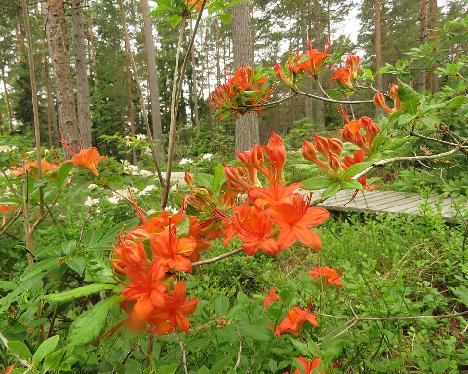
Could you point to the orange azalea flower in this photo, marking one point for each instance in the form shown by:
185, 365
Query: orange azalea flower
352, 132
86, 157
253, 226
242, 93
31, 167
288, 80
295, 320
311, 61
239, 180
295, 221
197, 4
394, 95
352, 62
343, 76
171, 252
308, 366
271, 297
330, 148
330, 275
276, 154
379, 101
358, 157
277, 193
253, 162
173, 312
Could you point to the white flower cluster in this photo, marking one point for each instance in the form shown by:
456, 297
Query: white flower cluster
171, 209
135, 170
119, 195
91, 202
145, 191
92, 186
207, 156
186, 161
8, 148
141, 136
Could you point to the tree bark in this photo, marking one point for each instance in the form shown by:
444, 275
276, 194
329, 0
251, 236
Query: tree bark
82, 84
247, 133
218, 55
128, 77
92, 49
196, 116
7, 100
378, 43
51, 118
319, 117
57, 33
432, 82
424, 5
152, 81
308, 84
208, 76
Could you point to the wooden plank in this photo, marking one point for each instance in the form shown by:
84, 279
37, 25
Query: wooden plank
408, 203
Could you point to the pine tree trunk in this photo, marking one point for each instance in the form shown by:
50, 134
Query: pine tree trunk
308, 83
51, 119
421, 79
57, 33
82, 84
7, 100
208, 76
319, 117
378, 43
152, 81
128, 78
93, 54
432, 82
247, 133
196, 116
218, 56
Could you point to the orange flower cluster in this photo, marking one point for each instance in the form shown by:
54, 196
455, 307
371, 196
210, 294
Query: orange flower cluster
5, 209
310, 62
379, 100
145, 256
272, 218
308, 367
245, 91
327, 273
195, 4
271, 297
31, 167
86, 157
294, 321
344, 75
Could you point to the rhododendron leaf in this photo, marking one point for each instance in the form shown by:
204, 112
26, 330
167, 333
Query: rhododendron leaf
219, 177
330, 191
255, 332
38, 268
19, 349
62, 297
317, 183
77, 264
351, 184
183, 227
45, 349
355, 169
408, 97
88, 325
203, 180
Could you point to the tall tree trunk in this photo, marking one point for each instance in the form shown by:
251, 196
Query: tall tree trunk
243, 47
218, 55
424, 5
308, 84
128, 77
82, 84
378, 43
208, 77
57, 33
196, 116
7, 100
51, 118
92, 50
19, 41
319, 117
152, 81
432, 82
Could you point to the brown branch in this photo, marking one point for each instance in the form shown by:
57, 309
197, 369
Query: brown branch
333, 100
411, 158
217, 258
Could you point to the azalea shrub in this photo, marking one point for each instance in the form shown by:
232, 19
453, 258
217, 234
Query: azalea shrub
131, 296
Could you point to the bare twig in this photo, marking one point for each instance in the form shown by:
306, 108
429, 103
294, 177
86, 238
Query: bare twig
239, 353
411, 158
333, 100
184, 354
217, 258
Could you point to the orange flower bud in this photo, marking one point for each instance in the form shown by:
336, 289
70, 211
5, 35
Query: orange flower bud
352, 62
188, 178
396, 99
288, 81
308, 151
379, 102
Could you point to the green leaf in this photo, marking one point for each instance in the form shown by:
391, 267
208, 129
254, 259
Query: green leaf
221, 305
255, 332
408, 97
183, 227
89, 325
218, 178
330, 191
316, 183
168, 369
36, 269
77, 264
350, 184
456, 102
19, 349
63, 173
430, 121
62, 297
203, 180
174, 20
405, 118
45, 349
355, 169
461, 293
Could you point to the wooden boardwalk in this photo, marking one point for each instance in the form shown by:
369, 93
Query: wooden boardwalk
391, 202
382, 202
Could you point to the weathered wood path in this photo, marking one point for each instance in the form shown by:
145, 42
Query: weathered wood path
383, 202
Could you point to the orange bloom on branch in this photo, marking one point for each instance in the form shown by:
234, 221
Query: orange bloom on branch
197, 4
308, 366
294, 321
271, 297
86, 157
311, 61
32, 167
343, 76
352, 63
171, 252
329, 274
330, 148
295, 220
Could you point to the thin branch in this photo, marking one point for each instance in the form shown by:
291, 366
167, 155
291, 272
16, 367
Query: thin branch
217, 258
462, 147
397, 159
333, 100
184, 354
357, 318
239, 353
